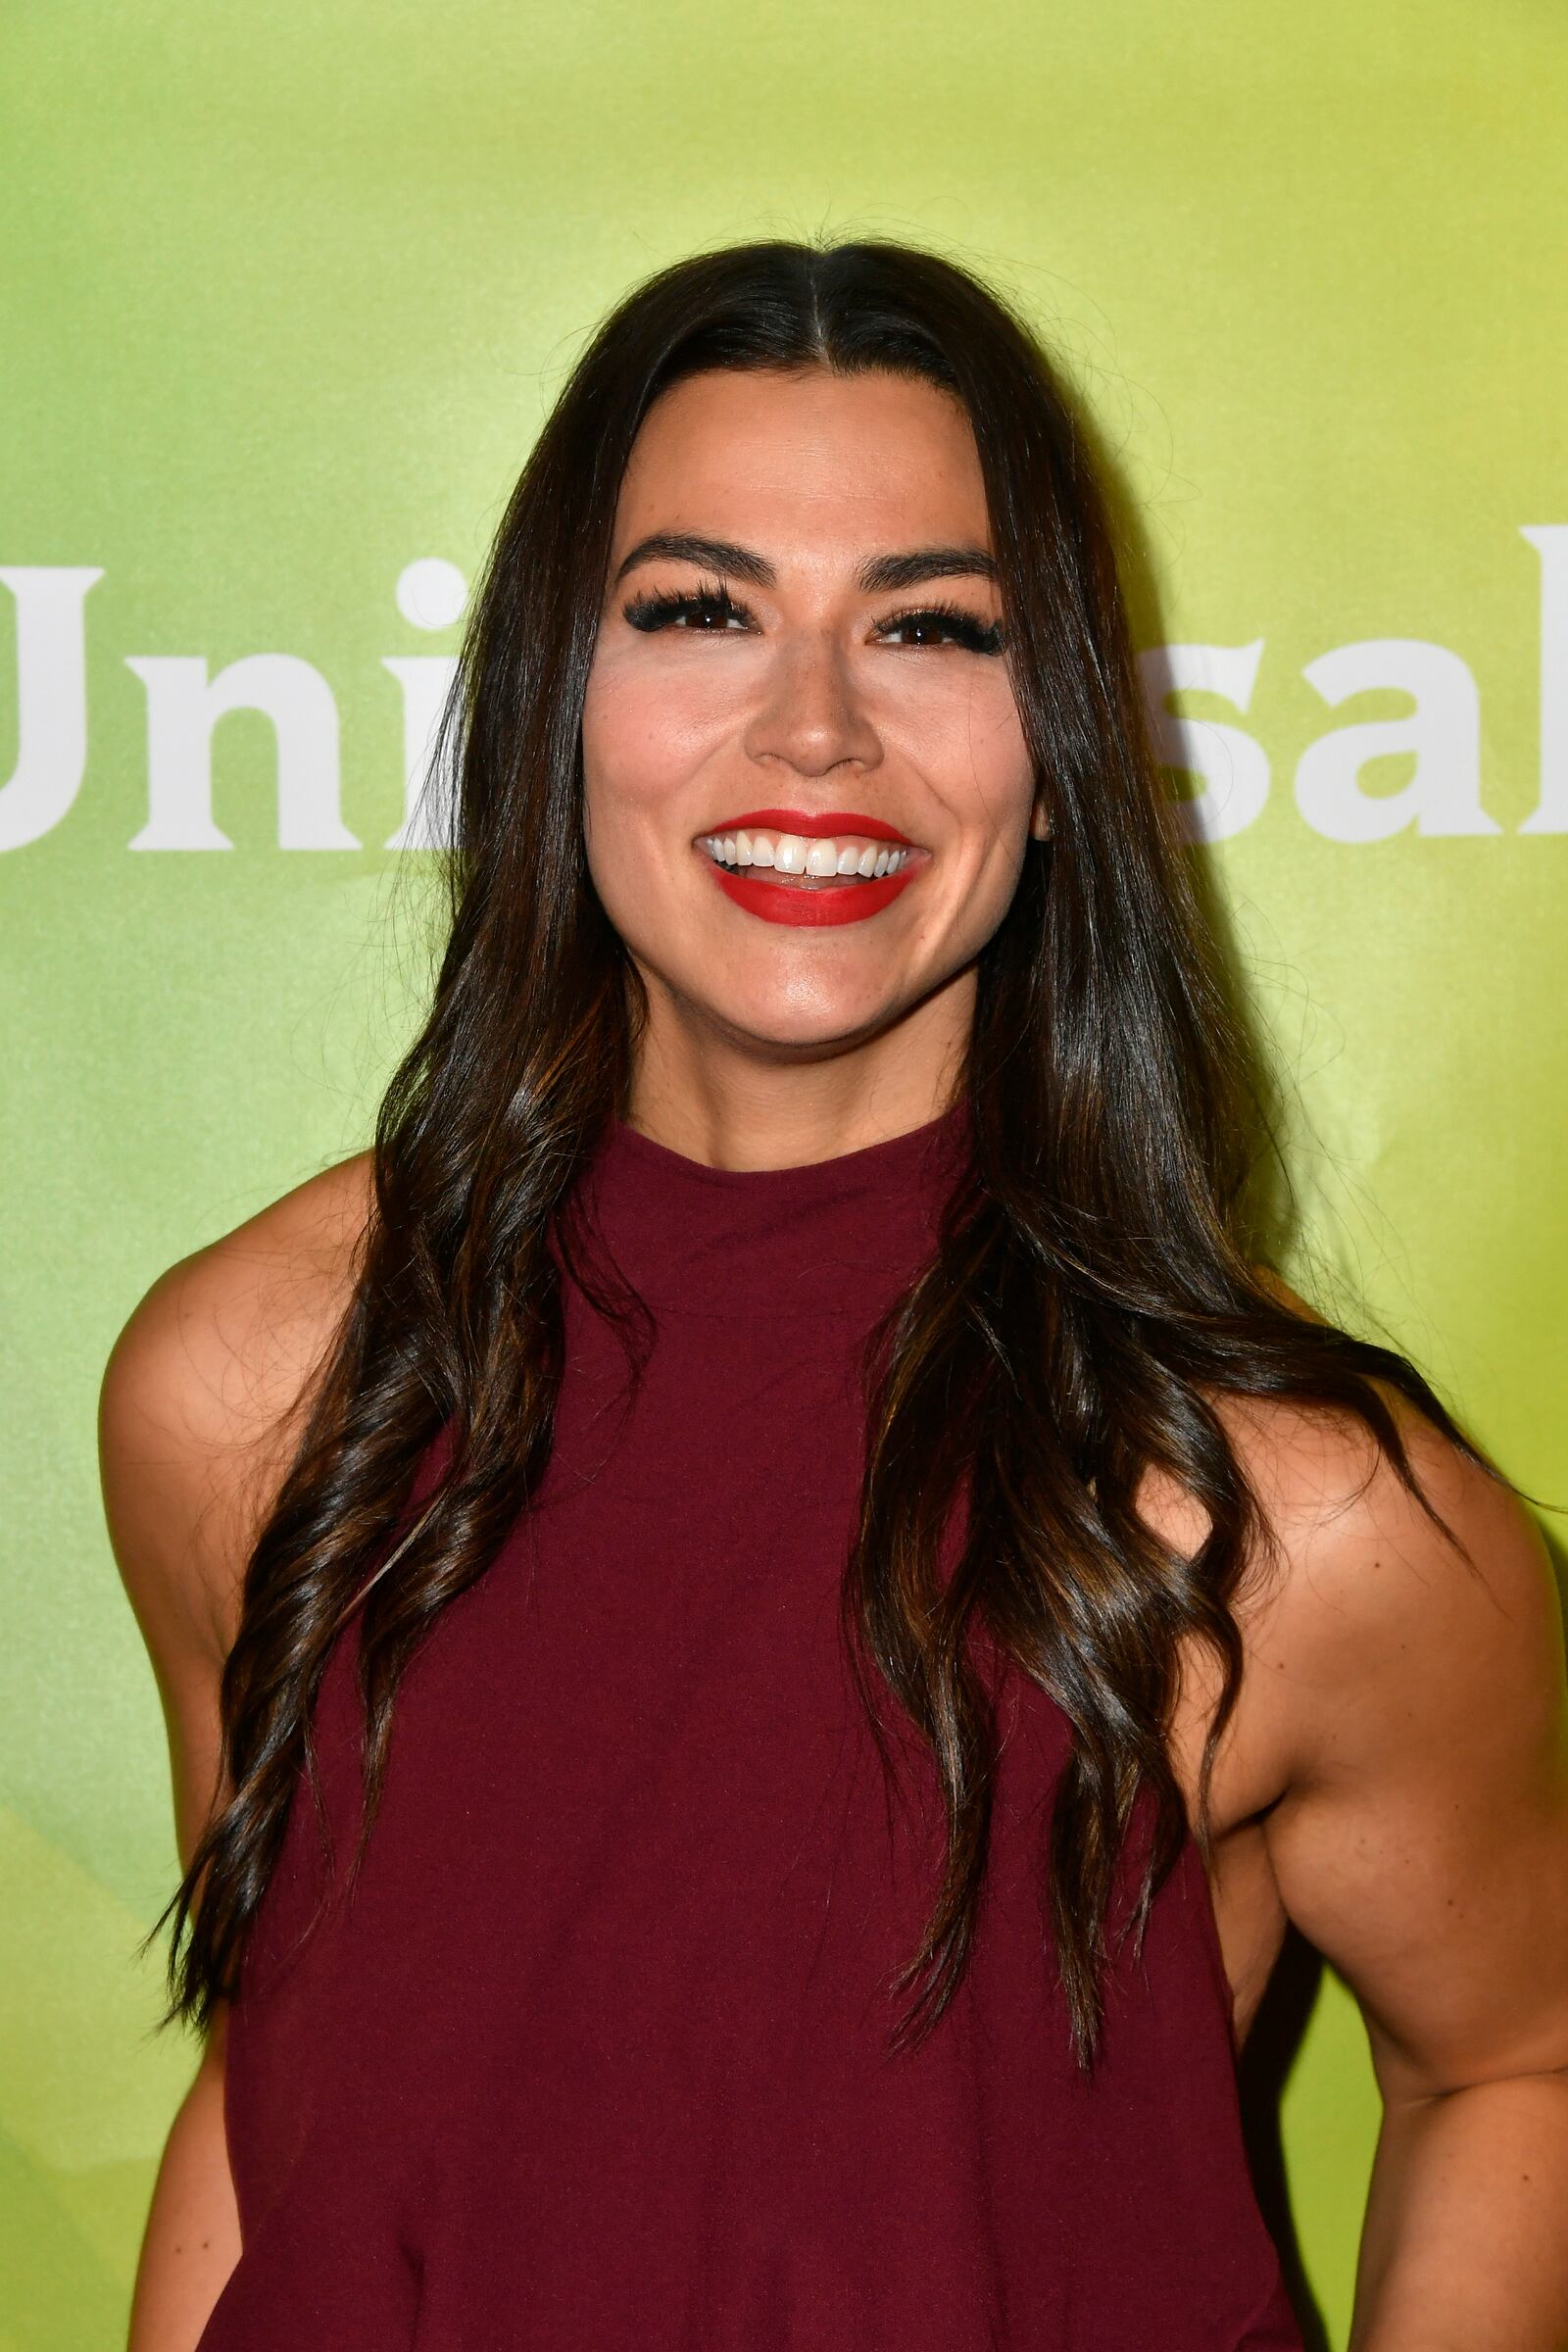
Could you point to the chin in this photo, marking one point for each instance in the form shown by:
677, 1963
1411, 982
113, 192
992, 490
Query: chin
802, 1023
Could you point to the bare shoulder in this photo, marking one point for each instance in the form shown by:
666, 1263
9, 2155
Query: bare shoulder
1406, 1686
1363, 1615
1393, 1776
1387, 1616
201, 1397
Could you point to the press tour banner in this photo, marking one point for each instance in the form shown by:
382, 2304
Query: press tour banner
286, 293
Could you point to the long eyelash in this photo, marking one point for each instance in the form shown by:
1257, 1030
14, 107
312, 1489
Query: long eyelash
649, 612
977, 636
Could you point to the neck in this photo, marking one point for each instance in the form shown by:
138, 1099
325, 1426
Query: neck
731, 1101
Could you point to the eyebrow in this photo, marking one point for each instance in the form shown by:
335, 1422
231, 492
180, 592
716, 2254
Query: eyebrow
876, 574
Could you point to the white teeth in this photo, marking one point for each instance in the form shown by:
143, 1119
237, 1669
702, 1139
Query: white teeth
818, 859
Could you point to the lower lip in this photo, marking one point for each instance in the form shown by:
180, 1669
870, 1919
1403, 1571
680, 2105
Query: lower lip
777, 903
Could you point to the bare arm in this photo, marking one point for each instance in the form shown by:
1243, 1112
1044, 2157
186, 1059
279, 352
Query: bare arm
199, 1413
191, 2241
1422, 1846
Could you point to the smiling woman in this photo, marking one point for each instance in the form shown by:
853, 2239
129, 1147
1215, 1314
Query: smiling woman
789, 640
888, 1603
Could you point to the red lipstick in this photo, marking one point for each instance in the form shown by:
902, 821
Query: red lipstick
815, 828
779, 903
790, 902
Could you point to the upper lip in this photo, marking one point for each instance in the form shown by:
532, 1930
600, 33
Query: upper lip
815, 828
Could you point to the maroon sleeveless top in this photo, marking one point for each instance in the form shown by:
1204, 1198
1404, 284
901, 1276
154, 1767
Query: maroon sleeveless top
596, 2055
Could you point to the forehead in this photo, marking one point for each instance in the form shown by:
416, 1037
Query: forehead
805, 463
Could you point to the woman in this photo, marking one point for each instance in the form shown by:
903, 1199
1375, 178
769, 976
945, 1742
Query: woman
867, 1605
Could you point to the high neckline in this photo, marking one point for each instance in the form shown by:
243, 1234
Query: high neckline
830, 1238
874, 1164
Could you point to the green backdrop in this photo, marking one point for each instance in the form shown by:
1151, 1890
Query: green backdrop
285, 293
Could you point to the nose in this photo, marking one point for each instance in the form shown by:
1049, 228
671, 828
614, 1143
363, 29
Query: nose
811, 717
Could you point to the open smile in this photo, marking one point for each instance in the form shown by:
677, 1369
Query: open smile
789, 867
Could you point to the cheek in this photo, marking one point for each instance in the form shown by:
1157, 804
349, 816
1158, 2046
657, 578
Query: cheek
630, 753
642, 743
647, 731
976, 760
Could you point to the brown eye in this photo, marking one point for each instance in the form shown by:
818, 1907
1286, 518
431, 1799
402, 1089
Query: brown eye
708, 612
944, 625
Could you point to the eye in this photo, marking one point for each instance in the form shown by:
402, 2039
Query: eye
707, 611
943, 624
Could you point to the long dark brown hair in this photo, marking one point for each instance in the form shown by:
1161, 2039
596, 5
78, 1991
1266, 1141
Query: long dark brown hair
1099, 1289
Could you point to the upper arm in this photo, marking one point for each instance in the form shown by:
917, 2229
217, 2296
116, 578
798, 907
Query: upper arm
200, 1408
1422, 1839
